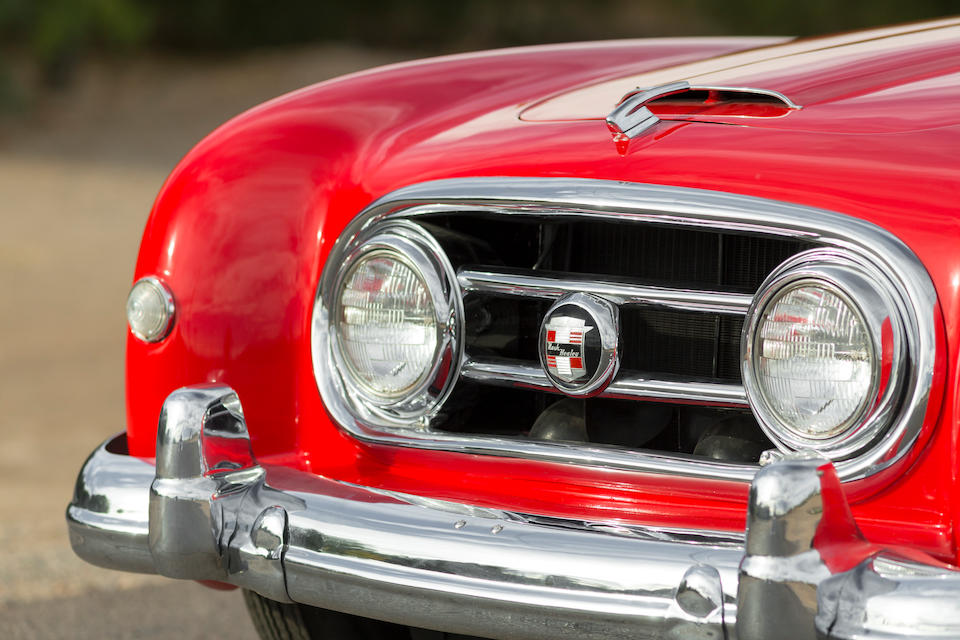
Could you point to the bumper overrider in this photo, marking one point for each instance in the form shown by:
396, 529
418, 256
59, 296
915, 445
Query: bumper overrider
207, 511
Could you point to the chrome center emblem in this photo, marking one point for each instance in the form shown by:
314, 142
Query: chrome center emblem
565, 347
578, 344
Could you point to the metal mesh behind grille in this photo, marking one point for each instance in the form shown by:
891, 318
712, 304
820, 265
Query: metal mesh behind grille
676, 257
677, 343
748, 259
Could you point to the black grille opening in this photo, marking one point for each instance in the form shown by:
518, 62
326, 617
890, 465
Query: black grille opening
656, 342
749, 259
646, 253
482, 409
502, 326
675, 256
704, 432
680, 343
657, 254
728, 353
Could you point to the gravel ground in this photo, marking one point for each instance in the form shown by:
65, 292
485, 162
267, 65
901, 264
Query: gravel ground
78, 174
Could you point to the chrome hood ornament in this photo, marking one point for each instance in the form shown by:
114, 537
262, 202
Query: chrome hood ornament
631, 117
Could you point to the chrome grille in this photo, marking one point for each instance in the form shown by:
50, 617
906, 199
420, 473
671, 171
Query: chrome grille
665, 334
678, 343
666, 255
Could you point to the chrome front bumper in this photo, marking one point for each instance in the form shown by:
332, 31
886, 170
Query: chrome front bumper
207, 511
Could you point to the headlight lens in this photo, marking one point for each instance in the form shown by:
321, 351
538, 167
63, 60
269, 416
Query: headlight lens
823, 353
386, 324
150, 310
814, 360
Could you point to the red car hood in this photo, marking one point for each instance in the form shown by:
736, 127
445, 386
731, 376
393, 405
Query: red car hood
885, 80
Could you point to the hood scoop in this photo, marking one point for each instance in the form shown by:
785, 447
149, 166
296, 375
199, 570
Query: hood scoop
642, 108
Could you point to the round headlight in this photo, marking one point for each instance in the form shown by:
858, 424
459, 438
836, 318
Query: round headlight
814, 359
392, 321
822, 349
150, 309
386, 325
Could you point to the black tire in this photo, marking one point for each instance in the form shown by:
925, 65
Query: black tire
275, 620
282, 621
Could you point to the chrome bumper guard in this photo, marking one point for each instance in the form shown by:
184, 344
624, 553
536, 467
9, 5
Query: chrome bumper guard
206, 511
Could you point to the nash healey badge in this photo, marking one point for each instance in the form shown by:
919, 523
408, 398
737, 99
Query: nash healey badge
578, 344
564, 347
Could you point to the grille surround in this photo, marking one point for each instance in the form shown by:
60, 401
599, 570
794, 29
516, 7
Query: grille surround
562, 198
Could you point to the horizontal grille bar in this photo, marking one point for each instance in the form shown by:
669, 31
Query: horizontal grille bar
627, 385
519, 283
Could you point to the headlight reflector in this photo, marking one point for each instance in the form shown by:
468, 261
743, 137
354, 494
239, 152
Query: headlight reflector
814, 360
823, 351
386, 324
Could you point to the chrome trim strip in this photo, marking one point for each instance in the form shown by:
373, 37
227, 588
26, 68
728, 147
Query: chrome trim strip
472, 570
531, 285
574, 198
627, 385
108, 515
391, 556
797, 522
787, 102
515, 579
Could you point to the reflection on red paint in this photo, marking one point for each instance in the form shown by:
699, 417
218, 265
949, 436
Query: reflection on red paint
248, 208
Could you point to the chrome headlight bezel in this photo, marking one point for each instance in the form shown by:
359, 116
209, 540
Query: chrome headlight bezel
417, 250
874, 299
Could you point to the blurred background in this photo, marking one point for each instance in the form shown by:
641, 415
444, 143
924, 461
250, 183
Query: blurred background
98, 101
57, 36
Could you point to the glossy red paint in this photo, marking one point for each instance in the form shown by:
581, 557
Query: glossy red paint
866, 82
241, 230
839, 540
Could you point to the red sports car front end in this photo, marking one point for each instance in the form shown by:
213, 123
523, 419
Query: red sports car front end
631, 339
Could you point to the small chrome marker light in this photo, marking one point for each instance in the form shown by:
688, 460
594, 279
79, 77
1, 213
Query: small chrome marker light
394, 325
823, 348
150, 309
